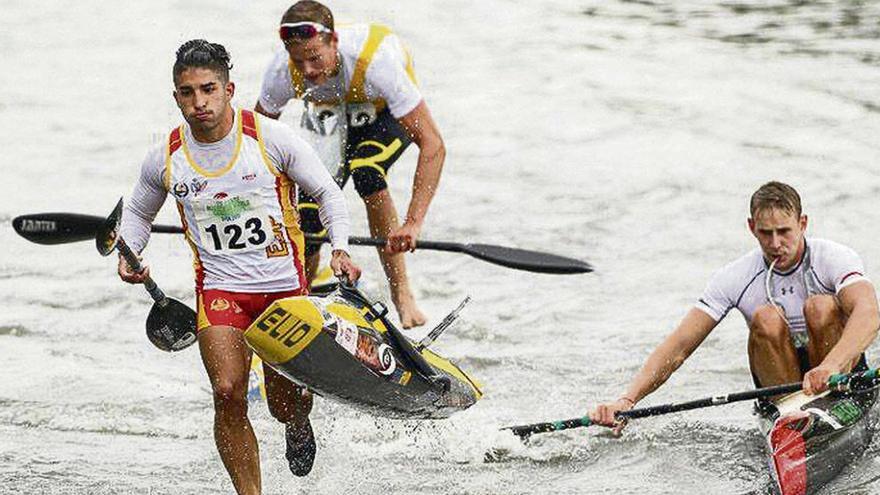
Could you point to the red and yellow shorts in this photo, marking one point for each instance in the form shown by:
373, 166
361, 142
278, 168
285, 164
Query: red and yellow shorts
234, 309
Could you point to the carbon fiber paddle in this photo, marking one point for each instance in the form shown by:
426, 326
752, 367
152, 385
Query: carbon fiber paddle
62, 228
171, 325
843, 381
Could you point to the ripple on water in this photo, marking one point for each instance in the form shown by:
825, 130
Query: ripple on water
132, 419
14, 330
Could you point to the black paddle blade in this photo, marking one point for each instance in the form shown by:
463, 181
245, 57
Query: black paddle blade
171, 325
523, 259
56, 228
105, 238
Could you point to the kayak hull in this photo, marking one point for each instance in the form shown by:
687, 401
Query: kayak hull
340, 349
812, 439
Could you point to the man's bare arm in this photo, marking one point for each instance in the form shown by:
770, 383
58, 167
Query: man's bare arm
859, 303
659, 366
420, 126
670, 354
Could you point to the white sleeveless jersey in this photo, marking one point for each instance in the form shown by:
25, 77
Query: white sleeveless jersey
826, 268
375, 68
241, 219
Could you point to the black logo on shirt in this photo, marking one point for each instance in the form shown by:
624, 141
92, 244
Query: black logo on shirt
180, 190
787, 290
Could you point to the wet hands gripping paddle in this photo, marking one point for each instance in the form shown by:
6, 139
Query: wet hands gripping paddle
171, 325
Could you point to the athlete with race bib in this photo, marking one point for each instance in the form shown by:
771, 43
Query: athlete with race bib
810, 310
367, 72
234, 178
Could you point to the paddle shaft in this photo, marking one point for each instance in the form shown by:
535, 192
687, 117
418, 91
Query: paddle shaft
840, 381
451, 247
60, 224
61, 228
135, 264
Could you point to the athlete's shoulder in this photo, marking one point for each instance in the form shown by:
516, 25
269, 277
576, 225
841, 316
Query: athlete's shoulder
153, 165
272, 130
169, 141
156, 154
283, 144
353, 39
276, 89
827, 247
751, 261
740, 272
277, 70
830, 257
351, 36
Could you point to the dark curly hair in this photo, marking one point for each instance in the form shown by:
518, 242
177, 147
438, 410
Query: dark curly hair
200, 53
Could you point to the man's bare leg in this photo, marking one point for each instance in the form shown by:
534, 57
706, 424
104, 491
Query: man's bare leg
288, 403
825, 322
382, 217
227, 360
291, 405
772, 356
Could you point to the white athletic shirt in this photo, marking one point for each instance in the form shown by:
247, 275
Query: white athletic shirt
388, 78
826, 268
236, 198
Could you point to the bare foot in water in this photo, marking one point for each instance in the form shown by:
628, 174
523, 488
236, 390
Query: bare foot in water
410, 314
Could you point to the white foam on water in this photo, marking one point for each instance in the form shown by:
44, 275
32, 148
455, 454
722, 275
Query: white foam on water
629, 134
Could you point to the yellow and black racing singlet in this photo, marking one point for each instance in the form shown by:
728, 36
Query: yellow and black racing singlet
240, 220
357, 92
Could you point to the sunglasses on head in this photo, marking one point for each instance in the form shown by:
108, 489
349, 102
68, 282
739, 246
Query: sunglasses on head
301, 30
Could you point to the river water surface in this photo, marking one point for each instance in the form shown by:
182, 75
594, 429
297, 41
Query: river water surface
626, 133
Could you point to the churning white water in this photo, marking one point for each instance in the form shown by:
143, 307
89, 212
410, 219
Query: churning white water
628, 133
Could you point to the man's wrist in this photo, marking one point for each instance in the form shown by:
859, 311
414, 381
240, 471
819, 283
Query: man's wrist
413, 220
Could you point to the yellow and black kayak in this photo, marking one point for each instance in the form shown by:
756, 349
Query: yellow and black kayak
342, 346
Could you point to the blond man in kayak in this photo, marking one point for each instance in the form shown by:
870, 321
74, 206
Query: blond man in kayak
365, 69
810, 310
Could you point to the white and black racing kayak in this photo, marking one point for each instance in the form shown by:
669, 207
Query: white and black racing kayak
810, 439
343, 347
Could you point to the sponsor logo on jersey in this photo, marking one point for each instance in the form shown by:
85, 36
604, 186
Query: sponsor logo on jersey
248, 177
229, 209
197, 185
180, 190
219, 304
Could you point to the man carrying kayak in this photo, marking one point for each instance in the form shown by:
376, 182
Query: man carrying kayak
366, 70
234, 178
810, 310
